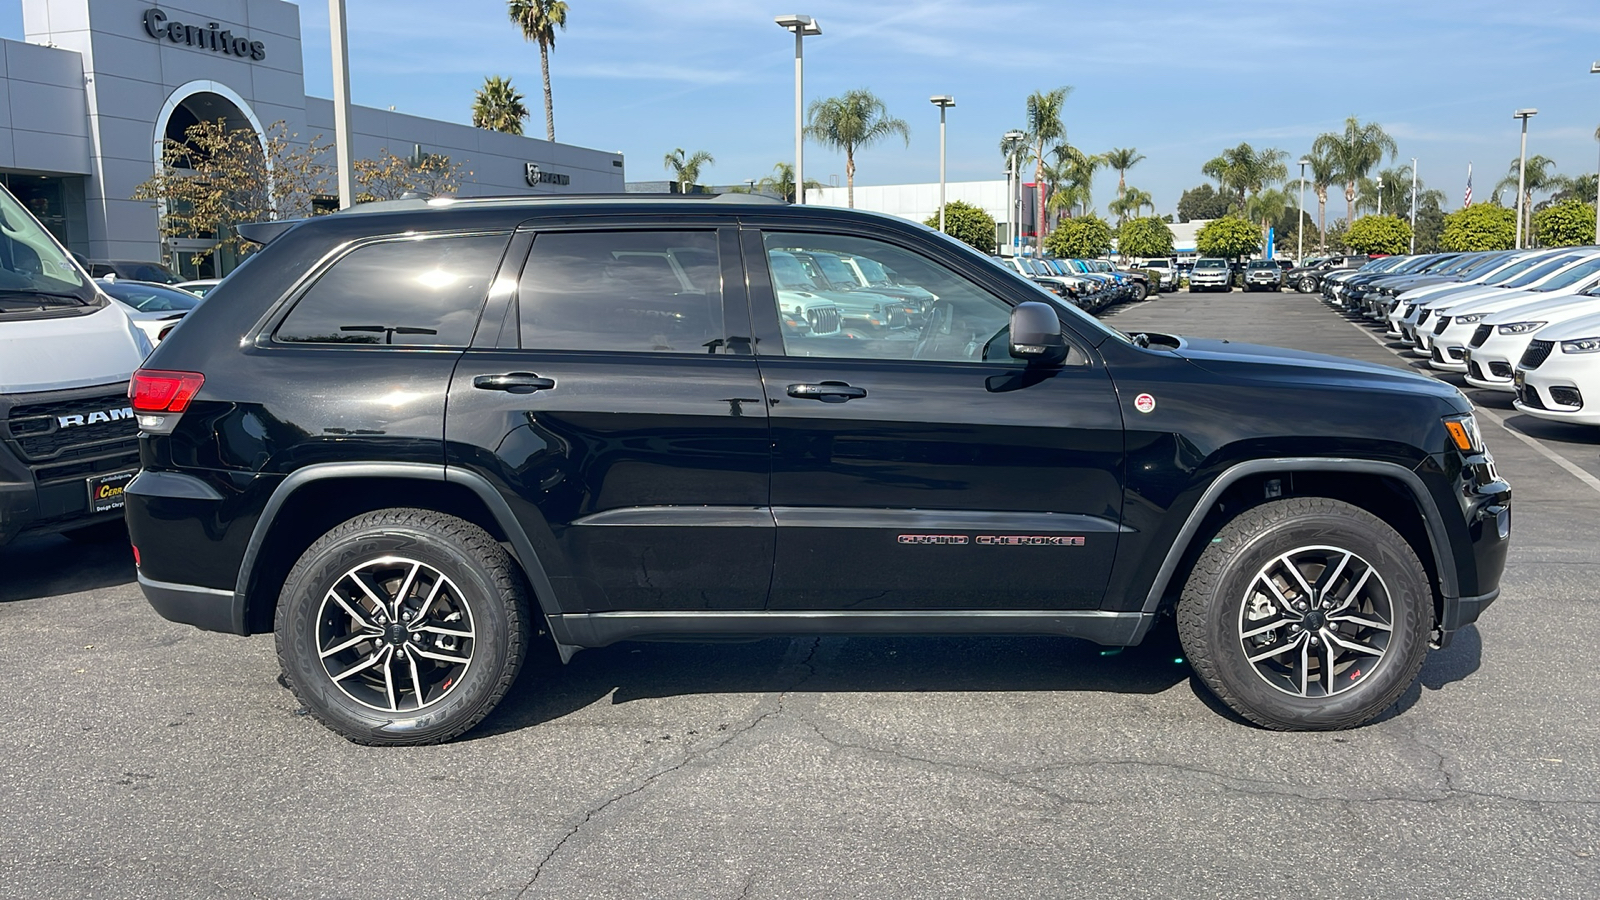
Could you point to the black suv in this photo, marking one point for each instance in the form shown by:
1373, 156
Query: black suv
410, 437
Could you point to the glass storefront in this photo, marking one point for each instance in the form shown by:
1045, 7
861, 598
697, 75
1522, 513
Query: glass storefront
57, 201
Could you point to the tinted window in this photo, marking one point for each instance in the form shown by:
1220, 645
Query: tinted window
150, 297
1542, 270
931, 313
653, 291
416, 293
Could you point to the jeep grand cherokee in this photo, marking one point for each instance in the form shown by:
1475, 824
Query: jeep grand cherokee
408, 438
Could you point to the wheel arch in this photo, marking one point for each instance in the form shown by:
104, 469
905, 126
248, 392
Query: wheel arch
1349, 480
315, 498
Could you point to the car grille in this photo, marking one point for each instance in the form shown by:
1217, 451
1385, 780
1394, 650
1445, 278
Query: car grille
1410, 308
823, 321
1441, 325
1536, 354
55, 453
1424, 317
1481, 335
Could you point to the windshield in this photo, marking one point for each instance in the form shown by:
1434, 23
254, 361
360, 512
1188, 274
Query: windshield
834, 269
872, 271
1572, 276
789, 273
150, 297
1544, 269
1485, 266
36, 274
1437, 265
1262, 264
1513, 270
1211, 264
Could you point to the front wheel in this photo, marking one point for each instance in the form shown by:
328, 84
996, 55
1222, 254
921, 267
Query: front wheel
1140, 292
1307, 285
402, 626
1306, 614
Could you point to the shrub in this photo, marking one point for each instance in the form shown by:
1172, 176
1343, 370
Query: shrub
1229, 237
1569, 223
1379, 234
1085, 237
967, 224
1147, 237
1482, 226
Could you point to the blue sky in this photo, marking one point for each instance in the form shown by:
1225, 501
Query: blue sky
1178, 80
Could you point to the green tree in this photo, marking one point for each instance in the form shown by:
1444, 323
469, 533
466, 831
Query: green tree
1131, 202
1379, 234
1071, 179
1245, 171
1581, 187
1202, 203
1569, 223
1390, 192
498, 106
968, 224
1430, 221
1271, 208
1084, 237
851, 120
390, 177
1230, 237
1353, 154
217, 177
685, 168
1481, 226
1322, 171
538, 21
1146, 238
781, 182
1044, 128
1121, 160
1540, 175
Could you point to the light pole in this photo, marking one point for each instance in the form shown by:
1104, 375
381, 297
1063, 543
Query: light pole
341, 103
1300, 224
1380, 195
1522, 166
1413, 206
803, 27
1013, 198
944, 102
1595, 70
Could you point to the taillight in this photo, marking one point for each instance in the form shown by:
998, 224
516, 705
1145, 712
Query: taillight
156, 391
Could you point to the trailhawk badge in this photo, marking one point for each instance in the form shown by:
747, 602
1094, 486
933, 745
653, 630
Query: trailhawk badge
1144, 403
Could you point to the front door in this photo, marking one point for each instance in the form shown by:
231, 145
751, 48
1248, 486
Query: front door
621, 412
921, 467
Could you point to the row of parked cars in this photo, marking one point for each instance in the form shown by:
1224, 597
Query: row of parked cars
1089, 284
1525, 322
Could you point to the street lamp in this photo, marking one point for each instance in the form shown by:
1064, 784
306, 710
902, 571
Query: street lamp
1380, 194
803, 27
1413, 206
944, 102
1595, 70
341, 103
1300, 223
1013, 196
1522, 166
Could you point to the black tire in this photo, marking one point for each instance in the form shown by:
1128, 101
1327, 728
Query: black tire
1193, 289
476, 590
1307, 284
1140, 292
1212, 615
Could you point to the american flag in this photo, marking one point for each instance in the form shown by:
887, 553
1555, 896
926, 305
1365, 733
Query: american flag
1468, 200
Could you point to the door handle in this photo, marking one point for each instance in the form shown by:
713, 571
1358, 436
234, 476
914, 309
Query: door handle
827, 392
513, 383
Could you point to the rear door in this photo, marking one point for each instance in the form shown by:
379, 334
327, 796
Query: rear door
925, 469
619, 408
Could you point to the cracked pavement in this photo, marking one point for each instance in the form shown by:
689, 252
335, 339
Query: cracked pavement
146, 759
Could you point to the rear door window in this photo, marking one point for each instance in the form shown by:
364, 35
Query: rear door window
638, 291
409, 292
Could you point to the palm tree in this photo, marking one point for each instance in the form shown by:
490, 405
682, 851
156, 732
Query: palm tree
1540, 175
1353, 154
1268, 207
1323, 173
1044, 127
685, 169
781, 182
1070, 175
853, 119
1122, 160
498, 106
1129, 204
1246, 170
539, 20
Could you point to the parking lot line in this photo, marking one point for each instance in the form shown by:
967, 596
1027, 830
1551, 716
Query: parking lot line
1571, 468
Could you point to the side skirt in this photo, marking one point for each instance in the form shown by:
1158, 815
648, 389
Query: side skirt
1113, 629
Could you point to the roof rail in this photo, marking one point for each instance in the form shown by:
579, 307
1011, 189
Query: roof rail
417, 203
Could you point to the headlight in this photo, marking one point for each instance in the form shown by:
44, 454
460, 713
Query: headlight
1464, 434
1521, 327
1468, 320
1581, 345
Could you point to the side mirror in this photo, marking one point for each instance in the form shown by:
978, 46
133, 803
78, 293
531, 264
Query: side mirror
1036, 334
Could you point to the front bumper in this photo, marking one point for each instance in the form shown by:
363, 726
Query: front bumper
1564, 388
1491, 365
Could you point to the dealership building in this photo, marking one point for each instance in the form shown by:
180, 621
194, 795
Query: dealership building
98, 85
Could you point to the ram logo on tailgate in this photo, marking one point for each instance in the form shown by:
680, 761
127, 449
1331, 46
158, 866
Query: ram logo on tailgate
95, 418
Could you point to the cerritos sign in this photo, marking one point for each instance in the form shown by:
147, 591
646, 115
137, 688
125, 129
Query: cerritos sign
210, 36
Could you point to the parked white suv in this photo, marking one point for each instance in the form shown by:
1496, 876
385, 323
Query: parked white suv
1211, 274
1454, 326
1558, 376
1498, 343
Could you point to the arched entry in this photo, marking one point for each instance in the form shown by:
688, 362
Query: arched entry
201, 101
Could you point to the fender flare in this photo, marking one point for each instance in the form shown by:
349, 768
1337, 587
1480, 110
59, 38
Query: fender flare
521, 547
1438, 536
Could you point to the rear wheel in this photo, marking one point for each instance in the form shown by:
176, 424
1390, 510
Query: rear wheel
1306, 614
1140, 292
402, 626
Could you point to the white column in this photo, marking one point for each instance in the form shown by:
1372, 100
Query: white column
341, 102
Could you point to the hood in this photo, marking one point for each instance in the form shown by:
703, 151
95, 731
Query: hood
1552, 309
1571, 330
1282, 365
1505, 300
1463, 294
70, 352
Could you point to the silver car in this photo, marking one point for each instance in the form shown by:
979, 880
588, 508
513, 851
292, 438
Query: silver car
1211, 274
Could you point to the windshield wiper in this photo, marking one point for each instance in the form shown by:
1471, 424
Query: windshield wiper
39, 296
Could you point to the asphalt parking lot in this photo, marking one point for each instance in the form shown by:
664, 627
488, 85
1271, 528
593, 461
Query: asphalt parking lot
145, 759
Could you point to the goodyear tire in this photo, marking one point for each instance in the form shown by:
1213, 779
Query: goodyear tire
402, 626
1306, 614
